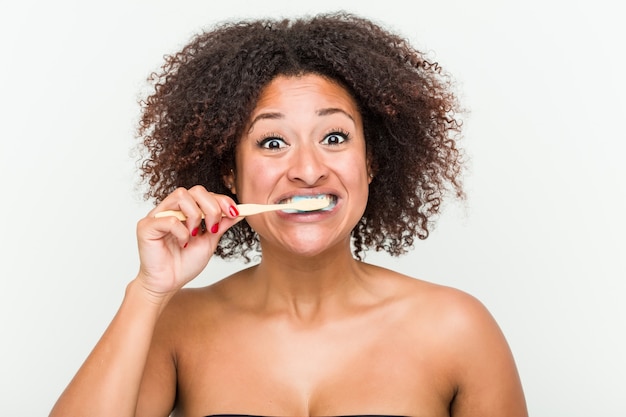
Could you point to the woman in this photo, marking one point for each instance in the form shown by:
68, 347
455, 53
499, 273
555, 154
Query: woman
268, 112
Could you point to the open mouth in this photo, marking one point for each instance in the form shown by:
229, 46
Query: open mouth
330, 197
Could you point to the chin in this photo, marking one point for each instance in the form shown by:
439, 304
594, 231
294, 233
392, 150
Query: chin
311, 246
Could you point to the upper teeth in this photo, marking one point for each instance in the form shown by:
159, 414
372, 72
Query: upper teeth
331, 199
307, 197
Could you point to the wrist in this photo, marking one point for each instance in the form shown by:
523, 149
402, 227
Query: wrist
137, 289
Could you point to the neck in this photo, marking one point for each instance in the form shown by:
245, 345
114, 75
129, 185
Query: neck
306, 287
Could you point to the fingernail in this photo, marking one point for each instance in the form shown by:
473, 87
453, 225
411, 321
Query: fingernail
194, 232
185, 245
215, 227
233, 211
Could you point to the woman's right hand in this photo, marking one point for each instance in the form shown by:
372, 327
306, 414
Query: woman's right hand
172, 252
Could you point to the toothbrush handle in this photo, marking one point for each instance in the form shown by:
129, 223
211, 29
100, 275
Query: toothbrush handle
244, 210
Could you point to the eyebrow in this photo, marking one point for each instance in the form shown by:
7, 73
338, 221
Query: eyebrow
333, 110
277, 115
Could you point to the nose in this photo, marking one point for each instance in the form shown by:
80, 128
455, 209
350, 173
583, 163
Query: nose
307, 166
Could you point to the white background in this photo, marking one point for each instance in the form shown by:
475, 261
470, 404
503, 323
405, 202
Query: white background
540, 240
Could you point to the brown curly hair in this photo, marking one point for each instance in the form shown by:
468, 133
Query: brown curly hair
204, 94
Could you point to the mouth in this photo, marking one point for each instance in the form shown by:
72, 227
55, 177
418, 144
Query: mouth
330, 197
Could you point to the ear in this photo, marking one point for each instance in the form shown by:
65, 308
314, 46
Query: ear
371, 167
229, 181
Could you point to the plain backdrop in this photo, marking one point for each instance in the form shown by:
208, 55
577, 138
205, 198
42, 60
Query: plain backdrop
540, 239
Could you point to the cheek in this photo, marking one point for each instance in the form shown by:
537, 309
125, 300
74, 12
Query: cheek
355, 178
356, 170
256, 177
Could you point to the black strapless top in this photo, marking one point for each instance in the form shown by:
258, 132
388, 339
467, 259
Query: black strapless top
250, 415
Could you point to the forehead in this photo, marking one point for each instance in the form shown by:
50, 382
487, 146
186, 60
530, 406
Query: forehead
307, 92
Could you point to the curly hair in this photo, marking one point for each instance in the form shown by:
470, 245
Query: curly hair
203, 95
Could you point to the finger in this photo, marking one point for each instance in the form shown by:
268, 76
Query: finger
182, 200
214, 206
151, 229
225, 224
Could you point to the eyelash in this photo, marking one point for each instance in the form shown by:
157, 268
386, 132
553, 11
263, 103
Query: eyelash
262, 142
338, 132
268, 138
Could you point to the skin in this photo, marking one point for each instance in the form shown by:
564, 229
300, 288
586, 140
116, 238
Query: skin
307, 331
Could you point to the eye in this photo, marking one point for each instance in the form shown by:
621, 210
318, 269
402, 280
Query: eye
272, 143
335, 138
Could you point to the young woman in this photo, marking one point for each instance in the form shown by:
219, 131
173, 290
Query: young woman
271, 112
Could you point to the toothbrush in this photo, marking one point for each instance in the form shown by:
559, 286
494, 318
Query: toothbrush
307, 204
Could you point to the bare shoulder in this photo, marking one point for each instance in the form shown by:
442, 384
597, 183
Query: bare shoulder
456, 311
206, 305
448, 307
466, 340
